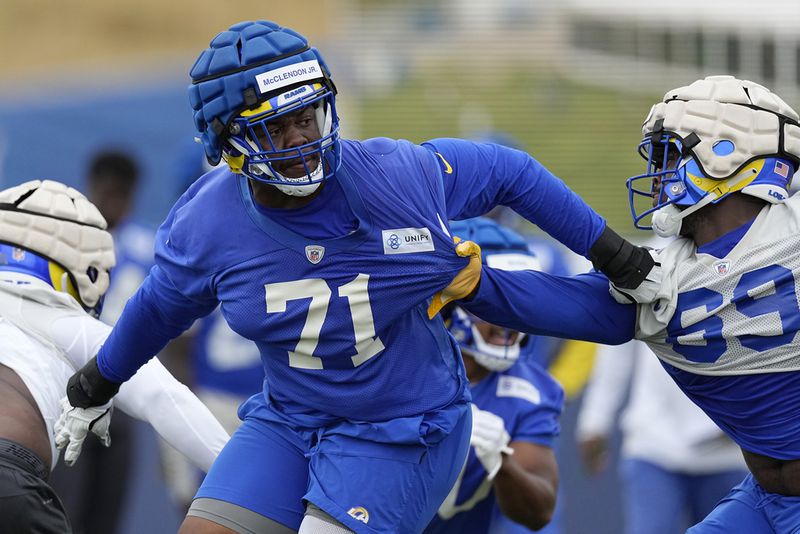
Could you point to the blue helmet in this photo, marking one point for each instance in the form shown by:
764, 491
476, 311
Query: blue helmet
717, 136
501, 248
254, 73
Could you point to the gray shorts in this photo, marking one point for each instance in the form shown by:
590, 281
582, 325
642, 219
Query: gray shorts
27, 502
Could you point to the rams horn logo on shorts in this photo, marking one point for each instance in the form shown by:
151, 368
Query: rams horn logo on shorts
360, 513
314, 253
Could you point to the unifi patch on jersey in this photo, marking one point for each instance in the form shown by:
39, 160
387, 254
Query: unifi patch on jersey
512, 386
315, 253
288, 75
407, 240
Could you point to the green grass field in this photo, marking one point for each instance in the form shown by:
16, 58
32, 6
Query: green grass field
586, 136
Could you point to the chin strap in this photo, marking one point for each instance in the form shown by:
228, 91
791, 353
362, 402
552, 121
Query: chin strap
668, 220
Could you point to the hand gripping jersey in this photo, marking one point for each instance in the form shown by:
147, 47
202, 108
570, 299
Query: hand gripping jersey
530, 402
340, 318
322, 311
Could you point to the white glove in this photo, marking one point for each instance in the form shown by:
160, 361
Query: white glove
646, 291
74, 424
490, 439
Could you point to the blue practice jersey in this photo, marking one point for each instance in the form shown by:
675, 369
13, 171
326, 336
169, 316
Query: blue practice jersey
340, 317
223, 360
530, 402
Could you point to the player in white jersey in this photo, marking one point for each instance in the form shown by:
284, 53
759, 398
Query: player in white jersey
54, 260
724, 321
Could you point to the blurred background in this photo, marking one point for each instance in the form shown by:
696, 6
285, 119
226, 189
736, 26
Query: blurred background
569, 81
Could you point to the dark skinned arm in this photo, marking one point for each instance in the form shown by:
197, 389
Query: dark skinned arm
527, 484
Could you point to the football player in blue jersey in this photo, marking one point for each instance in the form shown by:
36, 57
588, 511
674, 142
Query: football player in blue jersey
326, 252
511, 469
724, 322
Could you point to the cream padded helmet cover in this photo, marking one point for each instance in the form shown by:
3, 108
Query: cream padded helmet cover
58, 222
715, 109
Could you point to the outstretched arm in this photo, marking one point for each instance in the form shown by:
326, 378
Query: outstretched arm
480, 176
576, 307
157, 313
477, 177
153, 395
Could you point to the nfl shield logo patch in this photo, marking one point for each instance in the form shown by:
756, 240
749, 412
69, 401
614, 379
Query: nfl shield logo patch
18, 254
722, 267
314, 253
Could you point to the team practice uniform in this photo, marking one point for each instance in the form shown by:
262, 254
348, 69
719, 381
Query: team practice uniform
363, 392
747, 381
45, 336
530, 402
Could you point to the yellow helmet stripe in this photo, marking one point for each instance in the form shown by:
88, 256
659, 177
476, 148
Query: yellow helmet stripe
57, 275
735, 183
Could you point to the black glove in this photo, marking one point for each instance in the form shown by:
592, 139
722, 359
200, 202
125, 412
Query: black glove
87, 387
625, 264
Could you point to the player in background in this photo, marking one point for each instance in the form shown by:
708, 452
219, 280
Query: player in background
92, 490
511, 469
720, 154
675, 463
327, 252
55, 256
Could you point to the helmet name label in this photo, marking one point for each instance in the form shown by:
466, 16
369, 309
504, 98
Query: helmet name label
288, 75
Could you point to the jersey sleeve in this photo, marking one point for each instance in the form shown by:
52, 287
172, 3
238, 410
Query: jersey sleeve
570, 307
153, 395
479, 176
156, 313
173, 295
540, 424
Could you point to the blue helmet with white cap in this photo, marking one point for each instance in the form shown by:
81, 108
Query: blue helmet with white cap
501, 248
705, 141
254, 73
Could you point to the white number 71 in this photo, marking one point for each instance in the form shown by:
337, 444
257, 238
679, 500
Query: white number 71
367, 343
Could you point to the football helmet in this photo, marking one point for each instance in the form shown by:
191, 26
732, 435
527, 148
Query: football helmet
505, 249
66, 236
253, 74
717, 136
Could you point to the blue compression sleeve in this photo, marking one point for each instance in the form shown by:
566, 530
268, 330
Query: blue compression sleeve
479, 176
574, 307
156, 314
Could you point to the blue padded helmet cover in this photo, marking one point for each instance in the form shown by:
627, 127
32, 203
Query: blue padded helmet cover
227, 69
